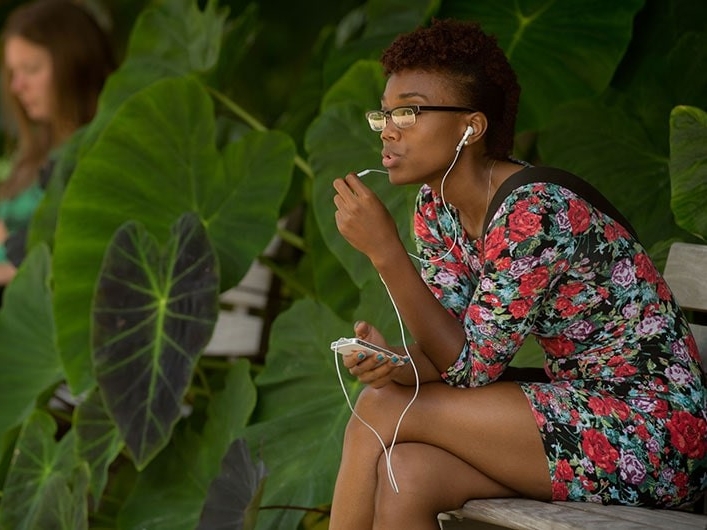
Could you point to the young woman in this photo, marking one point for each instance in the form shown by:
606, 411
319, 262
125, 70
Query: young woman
56, 59
506, 251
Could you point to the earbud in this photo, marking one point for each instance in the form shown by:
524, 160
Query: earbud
469, 131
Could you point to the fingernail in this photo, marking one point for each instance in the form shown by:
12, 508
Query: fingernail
395, 359
361, 356
380, 357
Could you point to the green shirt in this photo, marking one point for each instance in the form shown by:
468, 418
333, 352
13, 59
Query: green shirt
17, 212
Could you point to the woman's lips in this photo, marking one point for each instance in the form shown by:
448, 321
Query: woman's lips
389, 159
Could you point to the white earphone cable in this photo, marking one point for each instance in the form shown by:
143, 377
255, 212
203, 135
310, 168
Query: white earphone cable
388, 451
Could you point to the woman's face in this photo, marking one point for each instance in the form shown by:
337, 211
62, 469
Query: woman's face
30, 71
422, 152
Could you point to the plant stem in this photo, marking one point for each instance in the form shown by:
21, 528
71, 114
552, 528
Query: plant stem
255, 124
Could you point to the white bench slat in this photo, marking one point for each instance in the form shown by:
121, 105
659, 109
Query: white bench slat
686, 274
238, 332
252, 291
526, 514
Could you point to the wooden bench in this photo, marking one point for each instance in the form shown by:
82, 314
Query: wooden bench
243, 321
686, 274
240, 323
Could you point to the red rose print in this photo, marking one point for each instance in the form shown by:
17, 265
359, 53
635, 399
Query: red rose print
599, 406
645, 268
571, 289
616, 360
574, 417
495, 243
642, 432
558, 347
520, 308
625, 370
566, 308
681, 479
620, 409
533, 281
487, 352
539, 418
495, 370
688, 434
609, 406
578, 215
474, 313
660, 409
664, 292
503, 264
610, 232
599, 450
564, 471
492, 300
521, 206
523, 225
588, 485
559, 491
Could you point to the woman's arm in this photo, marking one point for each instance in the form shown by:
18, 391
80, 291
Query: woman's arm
7, 272
368, 226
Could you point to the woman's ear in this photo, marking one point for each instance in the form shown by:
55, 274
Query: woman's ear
478, 124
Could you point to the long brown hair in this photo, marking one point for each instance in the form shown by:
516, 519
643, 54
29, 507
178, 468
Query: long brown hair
82, 58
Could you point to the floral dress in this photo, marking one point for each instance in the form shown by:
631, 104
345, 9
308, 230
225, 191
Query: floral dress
623, 419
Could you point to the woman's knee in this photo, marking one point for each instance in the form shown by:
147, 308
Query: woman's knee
372, 400
374, 407
403, 479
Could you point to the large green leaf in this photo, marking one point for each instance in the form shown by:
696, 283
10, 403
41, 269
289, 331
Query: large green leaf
170, 491
688, 168
234, 496
560, 50
28, 353
47, 484
610, 149
171, 38
98, 441
301, 412
154, 313
331, 283
620, 142
145, 168
367, 31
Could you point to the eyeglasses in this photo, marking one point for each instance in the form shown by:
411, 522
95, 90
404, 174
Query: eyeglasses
405, 116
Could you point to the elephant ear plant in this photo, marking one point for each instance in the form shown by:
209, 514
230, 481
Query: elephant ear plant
688, 169
111, 417
115, 306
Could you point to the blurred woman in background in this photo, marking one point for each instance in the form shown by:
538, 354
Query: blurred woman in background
56, 59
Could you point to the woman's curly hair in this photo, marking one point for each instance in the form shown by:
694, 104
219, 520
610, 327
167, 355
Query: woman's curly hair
476, 67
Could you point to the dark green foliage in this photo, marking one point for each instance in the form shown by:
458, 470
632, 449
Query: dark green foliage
168, 196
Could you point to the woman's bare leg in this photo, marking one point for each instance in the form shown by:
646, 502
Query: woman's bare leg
430, 481
491, 429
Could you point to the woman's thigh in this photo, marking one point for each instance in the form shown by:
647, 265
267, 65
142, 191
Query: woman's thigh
491, 428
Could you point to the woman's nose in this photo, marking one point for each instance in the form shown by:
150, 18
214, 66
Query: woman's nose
390, 130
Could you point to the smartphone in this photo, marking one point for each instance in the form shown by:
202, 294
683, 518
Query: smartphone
346, 346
